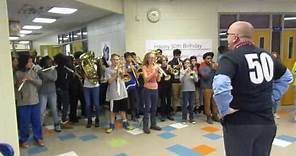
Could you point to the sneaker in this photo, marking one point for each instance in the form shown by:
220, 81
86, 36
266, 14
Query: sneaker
24, 145
66, 125
209, 120
126, 126
276, 116
109, 130
57, 128
192, 121
89, 122
162, 119
40, 142
157, 128
97, 122
146, 131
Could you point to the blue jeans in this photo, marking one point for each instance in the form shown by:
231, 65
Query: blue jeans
188, 101
51, 100
150, 106
92, 98
275, 106
29, 114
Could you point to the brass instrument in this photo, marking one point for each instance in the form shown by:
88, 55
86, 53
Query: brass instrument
166, 76
192, 74
121, 72
88, 64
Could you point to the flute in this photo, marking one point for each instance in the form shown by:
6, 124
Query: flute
22, 84
49, 68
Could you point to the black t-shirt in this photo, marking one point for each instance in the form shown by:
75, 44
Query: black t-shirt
252, 71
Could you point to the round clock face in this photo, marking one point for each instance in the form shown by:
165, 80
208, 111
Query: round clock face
153, 15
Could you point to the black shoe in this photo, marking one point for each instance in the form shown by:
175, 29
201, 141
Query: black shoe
192, 121
146, 130
89, 122
209, 120
162, 119
97, 122
171, 118
157, 128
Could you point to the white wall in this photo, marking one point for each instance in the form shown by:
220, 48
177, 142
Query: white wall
47, 40
187, 19
109, 28
8, 127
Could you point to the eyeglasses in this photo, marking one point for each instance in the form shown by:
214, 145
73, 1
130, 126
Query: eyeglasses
227, 34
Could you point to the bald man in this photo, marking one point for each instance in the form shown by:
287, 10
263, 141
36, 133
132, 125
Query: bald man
246, 84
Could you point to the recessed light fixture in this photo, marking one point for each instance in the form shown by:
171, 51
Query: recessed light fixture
32, 27
24, 42
289, 18
59, 10
13, 37
25, 31
44, 20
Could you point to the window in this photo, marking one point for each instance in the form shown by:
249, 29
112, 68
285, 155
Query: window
261, 42
291, 47
258, 21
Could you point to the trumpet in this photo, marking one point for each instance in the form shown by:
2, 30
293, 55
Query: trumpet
166, 76
192, 74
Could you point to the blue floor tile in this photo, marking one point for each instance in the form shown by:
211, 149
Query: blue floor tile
88, 137
212, 136
37, 150
168, 128
287, 138
67, 136
167, 135
182, 150
121, 154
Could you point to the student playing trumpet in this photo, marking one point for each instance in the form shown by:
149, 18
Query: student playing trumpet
165, 88
116, 92
188, 77
151, 76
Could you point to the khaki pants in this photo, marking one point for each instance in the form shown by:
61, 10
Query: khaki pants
197, 99
176, 95
209, 104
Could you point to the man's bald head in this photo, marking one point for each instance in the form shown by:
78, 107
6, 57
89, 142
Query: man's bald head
242, 29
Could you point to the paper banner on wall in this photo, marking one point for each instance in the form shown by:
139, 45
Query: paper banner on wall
189, 47
106, 50
45, 52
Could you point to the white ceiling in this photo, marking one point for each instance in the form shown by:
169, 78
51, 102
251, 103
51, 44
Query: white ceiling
25, 11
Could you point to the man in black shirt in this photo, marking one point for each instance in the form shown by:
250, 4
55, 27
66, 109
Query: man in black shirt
176, 64
248, 80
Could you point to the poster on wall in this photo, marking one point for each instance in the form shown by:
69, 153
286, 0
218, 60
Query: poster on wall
189, 47
106, 50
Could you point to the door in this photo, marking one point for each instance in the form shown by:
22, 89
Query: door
262, 39
288, 57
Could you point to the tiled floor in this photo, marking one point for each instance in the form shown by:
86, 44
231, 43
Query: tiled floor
175, 139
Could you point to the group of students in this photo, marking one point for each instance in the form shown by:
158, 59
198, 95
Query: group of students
155, 86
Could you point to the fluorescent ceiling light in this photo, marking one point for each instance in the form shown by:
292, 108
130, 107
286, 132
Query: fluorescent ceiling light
32, 27
84, 33
13, 37
24, 42
222, 33
25, 31
59, 10
289, 18
44, 20
22, 35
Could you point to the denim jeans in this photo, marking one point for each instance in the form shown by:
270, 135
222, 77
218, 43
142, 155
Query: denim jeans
188, 101
150, 106
29, 114
92, 98
51, 100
